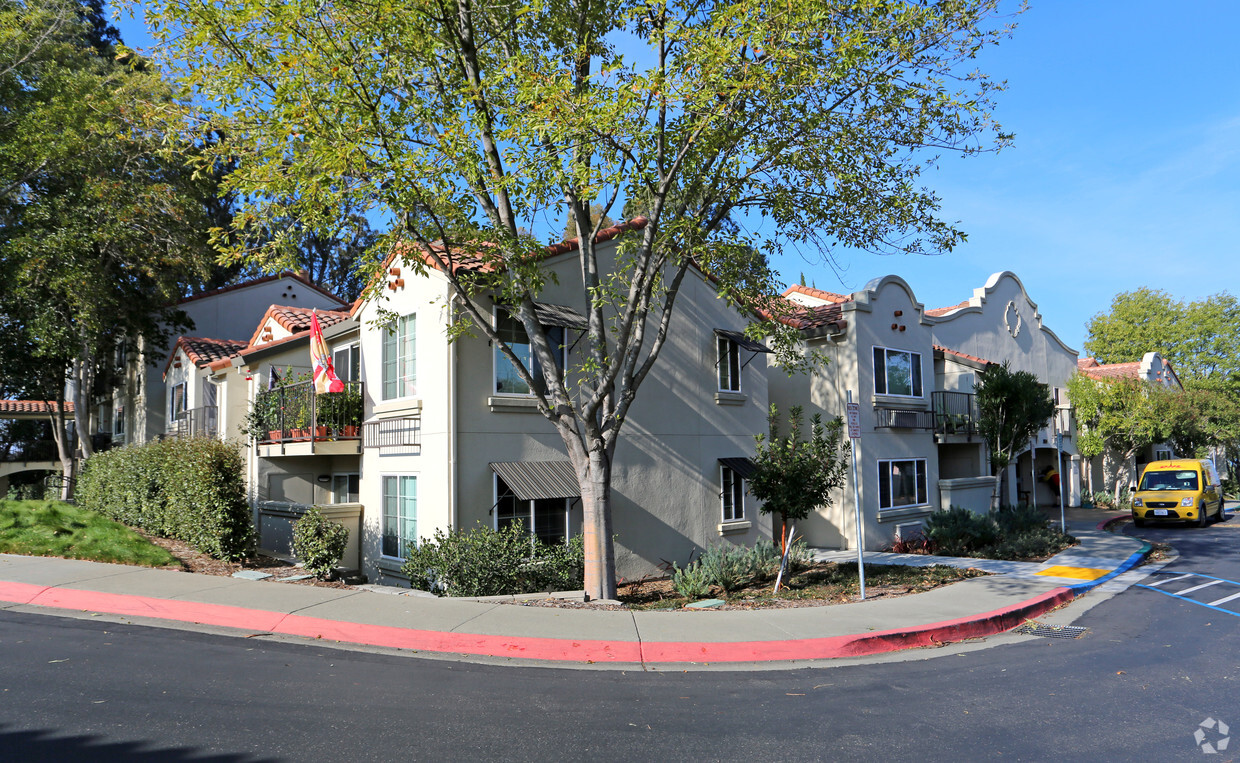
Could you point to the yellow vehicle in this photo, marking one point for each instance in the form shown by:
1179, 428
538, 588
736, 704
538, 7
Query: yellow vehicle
1176, 491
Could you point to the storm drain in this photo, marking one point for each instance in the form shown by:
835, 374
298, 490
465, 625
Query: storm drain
1052, 631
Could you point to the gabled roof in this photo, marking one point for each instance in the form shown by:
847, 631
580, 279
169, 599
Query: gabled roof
972, 359
264, 279
296, 320
808, 318
300, 336
32, 406
202, 351
1138, 369
809, 291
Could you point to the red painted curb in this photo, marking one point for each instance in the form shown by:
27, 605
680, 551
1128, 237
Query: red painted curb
536, 648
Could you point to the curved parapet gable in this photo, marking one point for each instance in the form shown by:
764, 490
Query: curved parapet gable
1015, 320
863, 300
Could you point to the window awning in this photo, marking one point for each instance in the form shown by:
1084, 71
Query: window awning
533, 480
742, 341
742, 466
560, 315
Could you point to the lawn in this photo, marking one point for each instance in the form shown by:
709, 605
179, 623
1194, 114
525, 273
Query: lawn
53, 528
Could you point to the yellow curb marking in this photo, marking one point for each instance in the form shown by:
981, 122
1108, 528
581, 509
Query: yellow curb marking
1078, 573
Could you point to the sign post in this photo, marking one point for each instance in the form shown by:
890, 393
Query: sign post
1063, 522
854, 434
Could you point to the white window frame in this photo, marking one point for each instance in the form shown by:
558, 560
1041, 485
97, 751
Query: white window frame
346, 475
118, 419
498, 360
529, 511
400, 339
732, 491
728, 364
354, 352
921, 488
172, 400
400, 517
916, 380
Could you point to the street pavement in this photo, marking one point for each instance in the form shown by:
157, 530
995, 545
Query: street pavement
515, 634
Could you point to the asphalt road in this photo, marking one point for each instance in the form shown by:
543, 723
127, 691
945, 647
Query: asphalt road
1151, 668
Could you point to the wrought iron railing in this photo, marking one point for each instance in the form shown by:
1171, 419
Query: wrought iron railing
900, 418
196, 422
387, 433
955, 413
36, 450
295, 412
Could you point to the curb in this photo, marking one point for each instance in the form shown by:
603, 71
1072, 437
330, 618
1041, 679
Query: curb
1106, 523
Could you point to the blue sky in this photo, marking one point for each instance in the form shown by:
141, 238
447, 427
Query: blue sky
1125, 171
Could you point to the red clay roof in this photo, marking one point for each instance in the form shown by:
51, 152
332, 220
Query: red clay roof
805, 317
965, 355
939, 311
1083, 363
263, 279
31, 406
296, 319
810, 291
1111, 370
202, 351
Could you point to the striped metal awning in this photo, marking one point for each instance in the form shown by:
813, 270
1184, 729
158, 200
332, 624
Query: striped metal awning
559, 315
532, 480
742, 341
742, 466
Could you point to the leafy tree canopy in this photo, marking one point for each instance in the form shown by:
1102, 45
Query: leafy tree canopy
794, 475
1012, 407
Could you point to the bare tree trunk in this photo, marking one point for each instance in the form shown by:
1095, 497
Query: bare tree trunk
600, 562
83, 382
64, 449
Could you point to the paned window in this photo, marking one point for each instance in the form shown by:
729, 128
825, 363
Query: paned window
347, 362
729, 364
897, 372
732, 495
399, 356
119, 427
178, 401
902, 483
346, 488
546, 519
510, 330
400, 514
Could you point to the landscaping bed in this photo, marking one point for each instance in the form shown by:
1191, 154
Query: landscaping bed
193, 560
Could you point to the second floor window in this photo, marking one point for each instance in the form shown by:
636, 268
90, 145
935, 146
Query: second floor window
729, 364
732, 495
178, 400
507, 380
399, 356
897, 372
347, 363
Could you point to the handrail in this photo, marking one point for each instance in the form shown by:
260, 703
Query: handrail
294, 412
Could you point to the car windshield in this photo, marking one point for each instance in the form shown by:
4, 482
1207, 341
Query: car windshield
1169, 481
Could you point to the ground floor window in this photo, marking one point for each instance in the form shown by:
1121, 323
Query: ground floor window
400, 514
902, 483
545, 518
732, 495
346, 488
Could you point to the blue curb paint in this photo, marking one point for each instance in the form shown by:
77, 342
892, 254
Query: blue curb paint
1127, 564
1190, 601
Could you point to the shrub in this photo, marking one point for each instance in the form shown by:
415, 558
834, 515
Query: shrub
692, 582
917, 543
764, 559
188, 488
958, 531
1014, 520
486, 562
727, 566
318, 542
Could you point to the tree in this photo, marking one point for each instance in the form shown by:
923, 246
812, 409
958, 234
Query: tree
467, 125
101, 224
1126, 415
793, 476
1012, 407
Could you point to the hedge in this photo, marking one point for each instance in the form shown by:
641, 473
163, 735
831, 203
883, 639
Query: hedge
190, 489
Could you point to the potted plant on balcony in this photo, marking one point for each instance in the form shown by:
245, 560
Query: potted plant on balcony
349, 411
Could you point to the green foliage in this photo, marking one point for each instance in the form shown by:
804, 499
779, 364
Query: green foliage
1019, 533
318, 542
52, 528
793, 476
727, 566
1126, 415
191, 489
1012, 407
693, 582
486, 562
731, 568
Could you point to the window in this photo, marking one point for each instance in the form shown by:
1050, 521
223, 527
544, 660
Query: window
732, 495
118, 428
178, 401
103, 418
399, 353
346, 488
347, 362
546, 519
729, 364
902, 483
510, 330
897, 372
400, 514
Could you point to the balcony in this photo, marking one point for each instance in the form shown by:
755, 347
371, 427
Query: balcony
196, 422
899, 418
294, 414
955, 413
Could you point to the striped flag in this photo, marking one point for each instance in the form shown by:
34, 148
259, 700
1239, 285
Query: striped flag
325, 379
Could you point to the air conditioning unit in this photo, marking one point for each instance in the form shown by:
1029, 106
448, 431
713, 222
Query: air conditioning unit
904, 419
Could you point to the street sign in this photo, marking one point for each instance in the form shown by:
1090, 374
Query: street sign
854, 420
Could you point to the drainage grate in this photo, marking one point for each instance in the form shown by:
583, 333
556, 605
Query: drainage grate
1052, 631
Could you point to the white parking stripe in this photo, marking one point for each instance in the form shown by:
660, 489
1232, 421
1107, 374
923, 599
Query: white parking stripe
1225, 599
1171, 580
1198, 587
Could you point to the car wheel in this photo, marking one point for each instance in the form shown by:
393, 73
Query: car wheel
1203, 517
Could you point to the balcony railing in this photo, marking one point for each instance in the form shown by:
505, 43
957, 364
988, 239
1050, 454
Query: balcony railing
294, 412
899, 418
37, 450
196, 422
955, 413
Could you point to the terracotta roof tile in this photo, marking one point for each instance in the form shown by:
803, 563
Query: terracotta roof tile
1083, 363
296, 319
31, 406
1112, 370
940, 311
965, 355
809, 291
202, 351
806, 317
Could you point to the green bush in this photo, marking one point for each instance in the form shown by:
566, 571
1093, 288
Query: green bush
486, 562
958, 531
318, 542
1015, 520
727, 566
187, 488
692, 582
1014, 533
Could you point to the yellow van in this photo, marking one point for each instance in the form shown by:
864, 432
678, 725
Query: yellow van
1178, 490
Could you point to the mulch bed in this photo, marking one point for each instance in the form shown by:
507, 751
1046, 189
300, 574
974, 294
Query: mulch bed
193, 560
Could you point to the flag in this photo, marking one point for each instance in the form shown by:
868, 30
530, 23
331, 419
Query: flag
325, 379
273, 379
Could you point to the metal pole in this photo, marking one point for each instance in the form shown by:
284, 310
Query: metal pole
857, 504
1063, 522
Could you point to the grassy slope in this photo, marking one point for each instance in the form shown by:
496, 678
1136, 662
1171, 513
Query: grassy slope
52, 528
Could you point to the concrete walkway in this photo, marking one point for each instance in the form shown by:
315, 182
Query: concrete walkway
969, 609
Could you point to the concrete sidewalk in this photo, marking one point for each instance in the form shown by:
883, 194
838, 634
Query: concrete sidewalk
970, 609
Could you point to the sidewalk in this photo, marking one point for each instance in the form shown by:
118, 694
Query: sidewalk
972, 608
